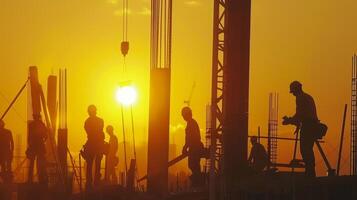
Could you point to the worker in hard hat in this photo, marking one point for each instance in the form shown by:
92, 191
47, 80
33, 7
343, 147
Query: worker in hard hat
94, 147
193, 146
37, 135
6, 148
258, 157
111, 157
306, 117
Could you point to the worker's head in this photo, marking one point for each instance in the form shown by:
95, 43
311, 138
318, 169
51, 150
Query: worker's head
254, 140
36, 117
110, 130
92, 110
295, 88
2, 124
186, 113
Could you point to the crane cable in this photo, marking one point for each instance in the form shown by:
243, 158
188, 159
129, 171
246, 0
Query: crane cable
125, 42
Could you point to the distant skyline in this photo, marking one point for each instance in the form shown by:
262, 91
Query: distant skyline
310, 41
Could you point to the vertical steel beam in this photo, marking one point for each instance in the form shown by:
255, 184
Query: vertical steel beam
62, 137
159, 111
236, 90
353, 139
158, 142
35, 91
218, 63
230, 92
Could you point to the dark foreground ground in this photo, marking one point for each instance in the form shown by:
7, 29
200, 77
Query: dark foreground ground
269, 187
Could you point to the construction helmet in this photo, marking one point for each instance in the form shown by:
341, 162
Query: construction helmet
186, 111
92, 109
295, 86
110, 129
254, 139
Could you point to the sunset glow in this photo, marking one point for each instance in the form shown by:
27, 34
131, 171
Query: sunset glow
126, 95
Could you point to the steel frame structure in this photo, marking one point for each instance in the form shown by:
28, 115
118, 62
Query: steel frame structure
273, 127
218, 63
353, 144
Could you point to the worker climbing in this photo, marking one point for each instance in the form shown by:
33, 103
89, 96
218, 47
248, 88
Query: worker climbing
193, 147
258, 157
37, 135
94, 147
306, 118
6, 151
112, 159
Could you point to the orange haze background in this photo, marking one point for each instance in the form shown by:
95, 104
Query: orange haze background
310, 41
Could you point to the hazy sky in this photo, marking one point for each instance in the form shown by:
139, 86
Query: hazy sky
310, 41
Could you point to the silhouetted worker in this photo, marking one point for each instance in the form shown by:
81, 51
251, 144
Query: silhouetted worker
111, 158
6, 148
258, 158
306, 117
193, 146
94, 146
37, 135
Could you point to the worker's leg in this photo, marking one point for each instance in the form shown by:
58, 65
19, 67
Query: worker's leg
194, 165
106, 172
30, 172
307, 153
114, 177
9, 165
2, 165
89, 173
41, 168
110, 169
97, 175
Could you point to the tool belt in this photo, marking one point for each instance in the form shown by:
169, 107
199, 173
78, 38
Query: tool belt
317, 129
93, 148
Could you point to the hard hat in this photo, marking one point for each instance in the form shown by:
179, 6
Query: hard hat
254, 139
92, 108
294, 86
110, 128
186, 111
2, 123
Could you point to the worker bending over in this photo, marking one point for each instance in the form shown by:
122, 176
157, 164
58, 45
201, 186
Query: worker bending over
258, 158
193, 147
305, 117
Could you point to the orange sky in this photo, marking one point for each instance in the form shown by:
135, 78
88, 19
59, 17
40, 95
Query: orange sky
310, 41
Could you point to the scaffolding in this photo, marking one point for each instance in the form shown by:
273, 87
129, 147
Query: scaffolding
353, 155
273, 127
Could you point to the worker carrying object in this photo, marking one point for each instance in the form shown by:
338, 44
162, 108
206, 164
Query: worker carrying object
258, 157
311, 128
112, 159
94, 148
37, 135
193, 147
6, 149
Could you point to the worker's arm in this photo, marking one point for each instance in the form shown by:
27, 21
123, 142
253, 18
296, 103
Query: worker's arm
185, 149
11, 143
250, 156
296, 118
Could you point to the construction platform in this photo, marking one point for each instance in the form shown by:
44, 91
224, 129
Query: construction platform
284, 186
